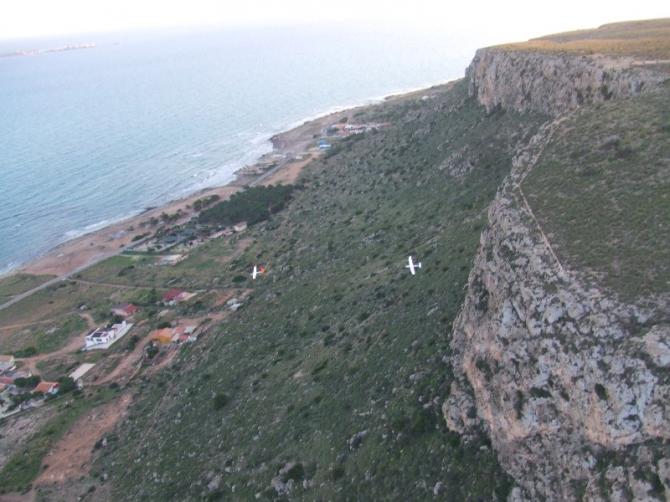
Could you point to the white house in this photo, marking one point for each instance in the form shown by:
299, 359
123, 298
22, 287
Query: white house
103, 338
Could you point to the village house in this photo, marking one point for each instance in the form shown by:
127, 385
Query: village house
103, 338
179, 334
79, 373
171, 297
240, 227
47, 388
162, 336
125, 310
7, 363
175, 296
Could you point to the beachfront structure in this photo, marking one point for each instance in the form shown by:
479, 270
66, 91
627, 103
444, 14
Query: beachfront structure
125, 310
47, 387
79, 373
103, 338
7, 363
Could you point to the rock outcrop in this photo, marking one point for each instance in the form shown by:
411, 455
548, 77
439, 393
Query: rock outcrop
571, 385
553, 83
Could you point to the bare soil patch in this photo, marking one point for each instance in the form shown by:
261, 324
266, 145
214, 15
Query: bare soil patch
71, 456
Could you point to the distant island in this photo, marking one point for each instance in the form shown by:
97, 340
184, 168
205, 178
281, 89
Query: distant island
37, 52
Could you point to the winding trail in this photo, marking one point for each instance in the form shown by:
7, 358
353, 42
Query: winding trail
73, 345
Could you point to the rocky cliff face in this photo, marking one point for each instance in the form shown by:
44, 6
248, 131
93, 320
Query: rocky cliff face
572, 386
554, 83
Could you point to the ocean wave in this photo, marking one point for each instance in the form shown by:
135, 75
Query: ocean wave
73, 234
8, 268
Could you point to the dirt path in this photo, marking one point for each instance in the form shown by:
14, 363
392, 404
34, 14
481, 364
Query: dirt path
27, 324
286, 173
127, 366
70, 457
523, 173
73, 345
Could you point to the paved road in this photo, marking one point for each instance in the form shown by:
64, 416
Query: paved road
56, 280
63, 277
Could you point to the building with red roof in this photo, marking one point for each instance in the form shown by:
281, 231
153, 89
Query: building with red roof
125, 310
172, 296
47, 387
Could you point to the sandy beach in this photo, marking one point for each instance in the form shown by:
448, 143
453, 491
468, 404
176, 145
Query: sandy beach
292, 150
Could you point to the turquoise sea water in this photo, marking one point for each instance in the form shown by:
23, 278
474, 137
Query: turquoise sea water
91, 136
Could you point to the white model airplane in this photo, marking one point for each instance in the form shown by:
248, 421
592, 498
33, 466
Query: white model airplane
257, 271
412, 266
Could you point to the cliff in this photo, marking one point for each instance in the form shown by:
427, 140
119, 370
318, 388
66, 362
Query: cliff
566, 368
529, 358
552, 83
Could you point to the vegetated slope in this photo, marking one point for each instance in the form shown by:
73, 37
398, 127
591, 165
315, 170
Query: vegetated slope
602, 191
646, 38
337, 362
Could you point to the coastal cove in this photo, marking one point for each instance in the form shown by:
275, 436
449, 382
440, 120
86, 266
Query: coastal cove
138, 121
292, 150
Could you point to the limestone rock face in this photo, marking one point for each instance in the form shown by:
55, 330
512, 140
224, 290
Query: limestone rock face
571, 385
554, 83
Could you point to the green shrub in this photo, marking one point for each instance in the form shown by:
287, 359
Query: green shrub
220, 400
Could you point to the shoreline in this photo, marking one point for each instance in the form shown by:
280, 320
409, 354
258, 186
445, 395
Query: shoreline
292, 149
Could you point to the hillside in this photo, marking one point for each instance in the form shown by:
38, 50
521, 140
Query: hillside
336, 361
528, 359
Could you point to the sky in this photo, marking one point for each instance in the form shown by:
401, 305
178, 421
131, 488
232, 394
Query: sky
487, 21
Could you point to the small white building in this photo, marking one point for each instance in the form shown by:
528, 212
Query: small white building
103, 338
7, 363
78, 374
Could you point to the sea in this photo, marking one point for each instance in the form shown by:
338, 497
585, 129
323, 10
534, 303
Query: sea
89, 137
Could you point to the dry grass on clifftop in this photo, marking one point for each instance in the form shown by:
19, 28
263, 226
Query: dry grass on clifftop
649, 39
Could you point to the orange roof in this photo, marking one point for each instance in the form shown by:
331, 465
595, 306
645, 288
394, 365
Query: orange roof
45, 387
162, 335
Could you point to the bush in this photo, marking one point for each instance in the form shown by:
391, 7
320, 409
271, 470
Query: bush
220, 400
28, 382
66, 384
27, 352
151, 350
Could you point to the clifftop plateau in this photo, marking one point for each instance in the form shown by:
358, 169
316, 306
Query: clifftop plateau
563, 344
